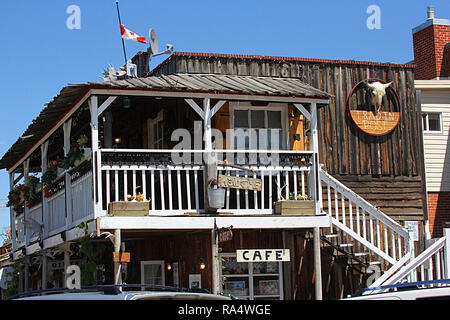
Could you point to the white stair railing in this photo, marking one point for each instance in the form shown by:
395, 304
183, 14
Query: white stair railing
366, 225
429, 265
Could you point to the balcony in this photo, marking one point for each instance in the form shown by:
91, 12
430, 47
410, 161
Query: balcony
174, 181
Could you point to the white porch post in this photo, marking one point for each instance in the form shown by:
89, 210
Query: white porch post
410, 249
67, 127
26, 214
12, 216
45, 209
117, 265
96, 158
316, 163
447, 250
317, 265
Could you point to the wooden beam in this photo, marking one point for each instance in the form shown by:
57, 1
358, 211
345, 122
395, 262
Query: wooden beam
217, 107
303, 110
106, 104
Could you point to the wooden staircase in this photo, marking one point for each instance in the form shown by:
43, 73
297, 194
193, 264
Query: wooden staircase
371, 241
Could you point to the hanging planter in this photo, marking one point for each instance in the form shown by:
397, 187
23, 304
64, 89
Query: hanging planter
216, 196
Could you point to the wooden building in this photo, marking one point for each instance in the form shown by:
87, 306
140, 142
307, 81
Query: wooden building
293, 188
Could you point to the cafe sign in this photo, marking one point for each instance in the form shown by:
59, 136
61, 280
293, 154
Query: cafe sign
374, 107
263, 255
243, 183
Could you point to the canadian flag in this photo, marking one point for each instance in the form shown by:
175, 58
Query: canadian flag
130, 35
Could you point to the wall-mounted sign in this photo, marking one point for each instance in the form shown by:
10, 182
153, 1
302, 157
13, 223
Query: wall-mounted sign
263, 255
239, 183
123, 257
59, 264
225, 234
374, 107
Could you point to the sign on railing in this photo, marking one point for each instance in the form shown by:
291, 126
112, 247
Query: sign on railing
239, 183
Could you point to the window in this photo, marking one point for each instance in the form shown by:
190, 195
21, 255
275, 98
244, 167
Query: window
259, 127
155, 132
152, 272
431, 122
252, 280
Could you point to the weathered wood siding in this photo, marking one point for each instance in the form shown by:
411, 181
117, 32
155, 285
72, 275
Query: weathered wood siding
390, 167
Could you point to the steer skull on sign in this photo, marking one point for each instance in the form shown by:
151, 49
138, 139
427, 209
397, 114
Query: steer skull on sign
378, 91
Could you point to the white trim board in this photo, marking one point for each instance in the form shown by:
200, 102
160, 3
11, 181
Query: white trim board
207, 223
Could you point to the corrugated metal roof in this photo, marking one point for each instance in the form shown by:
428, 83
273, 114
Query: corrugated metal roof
201, 83
215, 83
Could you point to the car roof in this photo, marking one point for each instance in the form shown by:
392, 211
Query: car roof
418, 294
129, 295
116, 292
436, 290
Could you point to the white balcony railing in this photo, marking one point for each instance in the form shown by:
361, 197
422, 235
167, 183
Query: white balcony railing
176, 187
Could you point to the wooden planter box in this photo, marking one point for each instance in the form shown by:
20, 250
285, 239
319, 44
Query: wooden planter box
295, 208
128, 209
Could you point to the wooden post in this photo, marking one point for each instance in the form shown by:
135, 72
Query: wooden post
12, 216
45, 208
410, 248
96, 158
44, 270
210, 164
317, 265
447, 250
26, 284
117, 265
316, 166
26, 213
216, 265
67, 127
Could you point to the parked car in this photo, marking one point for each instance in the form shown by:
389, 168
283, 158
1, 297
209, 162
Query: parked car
423, 290
120, 292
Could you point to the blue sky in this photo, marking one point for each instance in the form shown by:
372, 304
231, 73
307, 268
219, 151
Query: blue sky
40, 55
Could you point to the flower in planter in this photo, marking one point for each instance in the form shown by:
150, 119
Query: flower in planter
302, 197
47, 192
140, 197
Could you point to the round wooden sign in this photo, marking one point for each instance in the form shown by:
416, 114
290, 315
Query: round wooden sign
367, 116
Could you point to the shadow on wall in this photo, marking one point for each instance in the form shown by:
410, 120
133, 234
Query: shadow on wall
441, 212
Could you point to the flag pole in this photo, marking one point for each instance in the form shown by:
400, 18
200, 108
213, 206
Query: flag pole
123, 42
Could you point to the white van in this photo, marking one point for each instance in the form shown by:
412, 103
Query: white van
440, 290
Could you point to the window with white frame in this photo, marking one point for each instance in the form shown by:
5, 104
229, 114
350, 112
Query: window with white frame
257, 127
431, 122
251, 280
152, 272
155, 132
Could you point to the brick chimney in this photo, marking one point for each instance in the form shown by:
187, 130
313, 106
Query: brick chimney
430, 39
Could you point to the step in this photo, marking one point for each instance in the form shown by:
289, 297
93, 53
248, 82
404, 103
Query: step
361, 254
346, 245
332, 236
375, 263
